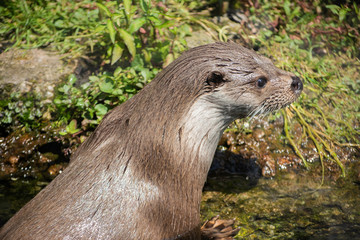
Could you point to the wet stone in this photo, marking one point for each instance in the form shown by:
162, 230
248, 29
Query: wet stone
55, 170
258, 134
28, 155
234, 149
48, 157
6, 171
230, 138
13, 160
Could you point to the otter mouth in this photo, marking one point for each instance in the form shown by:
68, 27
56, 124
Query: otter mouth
279, 99
265, 108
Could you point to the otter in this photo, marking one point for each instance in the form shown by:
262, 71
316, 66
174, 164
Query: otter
140, 174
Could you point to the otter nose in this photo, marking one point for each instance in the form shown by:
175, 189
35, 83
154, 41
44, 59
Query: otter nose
296, 84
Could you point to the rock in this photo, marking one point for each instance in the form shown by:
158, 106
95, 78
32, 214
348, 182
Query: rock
47, 157
55, 170
199, 37
13, 160
258, 134
32, 70
268, 169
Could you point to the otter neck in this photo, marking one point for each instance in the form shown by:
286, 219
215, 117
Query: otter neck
202, 127
181, 149
196, 139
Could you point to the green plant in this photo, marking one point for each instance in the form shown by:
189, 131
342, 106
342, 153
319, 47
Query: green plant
144, 29
325, 44
92, 100
312, 25
22, 109
69, 26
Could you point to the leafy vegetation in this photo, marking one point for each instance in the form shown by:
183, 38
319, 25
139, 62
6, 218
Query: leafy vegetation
21, 110
325, 39
93, 99
144, 35
69, 26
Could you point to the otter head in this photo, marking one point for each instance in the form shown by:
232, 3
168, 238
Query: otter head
243, 83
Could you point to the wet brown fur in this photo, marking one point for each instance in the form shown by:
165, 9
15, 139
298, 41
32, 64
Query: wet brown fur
141, 173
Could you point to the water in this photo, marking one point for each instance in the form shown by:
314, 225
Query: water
14, 194
293, 206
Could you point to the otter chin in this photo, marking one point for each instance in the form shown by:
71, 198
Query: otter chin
140, 174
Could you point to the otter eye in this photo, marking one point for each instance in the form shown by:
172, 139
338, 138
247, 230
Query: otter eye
260, 83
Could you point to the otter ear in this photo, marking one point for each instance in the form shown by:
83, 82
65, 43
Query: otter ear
215, 80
